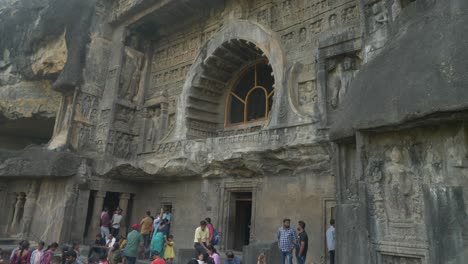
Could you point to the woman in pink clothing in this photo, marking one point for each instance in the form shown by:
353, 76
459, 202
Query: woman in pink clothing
22, 256
49, 253
213, 254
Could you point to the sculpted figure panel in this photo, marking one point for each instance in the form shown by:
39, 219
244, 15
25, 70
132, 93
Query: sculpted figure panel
399, 188
129, 82
341, 72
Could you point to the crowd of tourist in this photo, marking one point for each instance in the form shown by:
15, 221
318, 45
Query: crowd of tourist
150, 239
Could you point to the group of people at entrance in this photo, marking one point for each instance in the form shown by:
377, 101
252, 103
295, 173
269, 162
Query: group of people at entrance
148, 239
290, 241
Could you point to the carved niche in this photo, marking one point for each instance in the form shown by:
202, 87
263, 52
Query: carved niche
155, 124
124, 144
132, 66
376, 16
395, 192
340, 72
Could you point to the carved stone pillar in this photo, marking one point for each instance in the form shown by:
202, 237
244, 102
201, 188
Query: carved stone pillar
29, 207
10, 210
97, 209
123, 204
19, 208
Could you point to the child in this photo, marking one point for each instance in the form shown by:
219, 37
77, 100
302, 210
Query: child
169, 250
201, 259
156, 258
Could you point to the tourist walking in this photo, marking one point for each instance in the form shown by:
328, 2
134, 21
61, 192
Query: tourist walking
286, 241
201, 238
134, 243
13, 252
146, 226
302, 243
37, 254
22, 256
169, 254
331, 239
115, 222
49, 253
105, 223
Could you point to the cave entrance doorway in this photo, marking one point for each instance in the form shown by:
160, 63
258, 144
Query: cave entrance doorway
240, 217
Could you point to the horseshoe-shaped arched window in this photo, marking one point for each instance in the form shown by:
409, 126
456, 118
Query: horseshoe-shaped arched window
251, 96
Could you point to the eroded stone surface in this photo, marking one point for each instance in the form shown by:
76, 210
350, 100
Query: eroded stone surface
141, 121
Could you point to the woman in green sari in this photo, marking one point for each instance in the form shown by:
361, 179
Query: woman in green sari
157, 243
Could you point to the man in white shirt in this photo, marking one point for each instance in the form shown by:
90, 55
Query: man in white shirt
331, 240
115, 222
110, 240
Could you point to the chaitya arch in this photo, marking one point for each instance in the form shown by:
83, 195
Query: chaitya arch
238, 48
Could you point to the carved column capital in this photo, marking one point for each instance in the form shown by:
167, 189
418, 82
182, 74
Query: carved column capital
124, 196
100, 194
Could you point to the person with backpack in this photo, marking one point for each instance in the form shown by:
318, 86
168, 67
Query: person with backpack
213, 235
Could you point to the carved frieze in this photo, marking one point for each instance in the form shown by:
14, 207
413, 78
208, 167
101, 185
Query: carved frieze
390, 259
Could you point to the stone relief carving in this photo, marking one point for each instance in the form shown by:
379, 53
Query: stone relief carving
388, 259
341, 71
152, 128
132, 65
399, 188
377, 26
124, 144
124, 118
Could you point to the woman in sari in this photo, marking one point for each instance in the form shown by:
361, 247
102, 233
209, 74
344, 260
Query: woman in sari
157, 243
22, 256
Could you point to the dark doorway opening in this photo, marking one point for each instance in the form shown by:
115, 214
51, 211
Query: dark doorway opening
240, 220
111, 202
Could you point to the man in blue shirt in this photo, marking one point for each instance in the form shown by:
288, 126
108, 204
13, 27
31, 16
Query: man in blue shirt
231, 259
286, 241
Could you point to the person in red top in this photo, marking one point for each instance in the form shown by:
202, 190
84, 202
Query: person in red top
210, 230
157, 259
105, 223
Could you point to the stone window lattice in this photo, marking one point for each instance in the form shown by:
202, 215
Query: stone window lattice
251, 96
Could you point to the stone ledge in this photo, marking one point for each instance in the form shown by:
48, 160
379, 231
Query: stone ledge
38, 162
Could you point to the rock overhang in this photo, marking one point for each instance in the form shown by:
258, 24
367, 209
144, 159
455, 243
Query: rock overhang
420, 72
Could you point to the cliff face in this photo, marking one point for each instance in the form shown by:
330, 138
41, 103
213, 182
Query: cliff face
42, 52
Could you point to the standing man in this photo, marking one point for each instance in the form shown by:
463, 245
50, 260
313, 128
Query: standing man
331, 238
134, 242
105, 223
116, 219
146, 226
37, 254
286, 241
201, 238
302, 243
